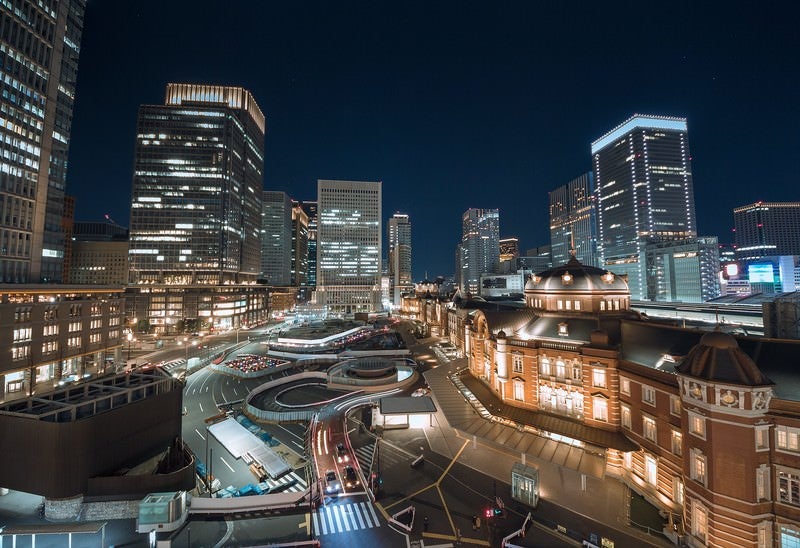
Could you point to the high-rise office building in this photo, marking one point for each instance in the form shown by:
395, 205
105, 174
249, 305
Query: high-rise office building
39, 50
399, 238
299, 272
767, 229
349, 246
310, 209
537, 259
683, 271
642, 170
573, 221
196, 211
197, 187
480, 247
509, 253
276, 238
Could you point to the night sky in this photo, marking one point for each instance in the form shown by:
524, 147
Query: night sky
453, 104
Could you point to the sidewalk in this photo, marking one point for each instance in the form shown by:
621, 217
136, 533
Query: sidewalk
601, 500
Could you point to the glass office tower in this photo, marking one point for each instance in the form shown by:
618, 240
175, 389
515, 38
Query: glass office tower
276, 238
310, 209
197, 188
767, 229
399, 238
643, 173
480, 247
573, 221
349, 246
39, 50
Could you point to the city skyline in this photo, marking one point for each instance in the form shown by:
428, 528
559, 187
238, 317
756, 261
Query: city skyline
440, 112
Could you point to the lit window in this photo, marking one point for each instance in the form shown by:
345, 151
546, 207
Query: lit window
677, 443
562, 329
699, 521
517, 361
762, 438
787, 439
677, 489
651, 469
697, 425
789, 487
625, 416
519, 390
697, 464
625, 386
600, 409
599, 378
648, 394
544, 367
675, 405
649, 428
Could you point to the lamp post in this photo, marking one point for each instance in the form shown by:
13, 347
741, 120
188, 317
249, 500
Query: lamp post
130, 338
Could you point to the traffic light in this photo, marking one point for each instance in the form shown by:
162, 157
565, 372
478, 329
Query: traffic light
488, 513
497, 511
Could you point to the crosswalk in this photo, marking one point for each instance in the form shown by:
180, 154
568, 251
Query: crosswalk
344, 517
387, 456
287, 483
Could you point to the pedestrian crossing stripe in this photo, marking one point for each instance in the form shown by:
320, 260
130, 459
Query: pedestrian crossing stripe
343, 518
299, 486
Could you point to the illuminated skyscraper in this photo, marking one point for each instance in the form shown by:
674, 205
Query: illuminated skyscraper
299, 245
349, 246
509, 253
767, 229
480, 247
276, 238
643, 172
197, 188
39, 49
573, 222
399, 237
310, 209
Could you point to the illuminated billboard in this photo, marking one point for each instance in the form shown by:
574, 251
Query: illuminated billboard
760, 273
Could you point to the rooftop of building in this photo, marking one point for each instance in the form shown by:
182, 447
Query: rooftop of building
79, 401
576, 277
636, 121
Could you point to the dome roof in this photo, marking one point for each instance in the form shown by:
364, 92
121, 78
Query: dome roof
576, 277
719, 339
717, 357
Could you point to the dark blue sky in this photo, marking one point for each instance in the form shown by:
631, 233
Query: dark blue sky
453, 104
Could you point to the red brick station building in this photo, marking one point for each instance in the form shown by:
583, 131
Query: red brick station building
705, 425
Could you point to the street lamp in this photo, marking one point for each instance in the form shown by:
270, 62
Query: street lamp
130, 338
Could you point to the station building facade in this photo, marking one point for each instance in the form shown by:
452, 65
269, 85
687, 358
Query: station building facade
710, 423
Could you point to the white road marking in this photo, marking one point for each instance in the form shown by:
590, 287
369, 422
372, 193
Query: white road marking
201, 406
226, 464
202, 437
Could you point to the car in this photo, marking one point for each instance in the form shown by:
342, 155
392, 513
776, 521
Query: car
420, 392
341, 453
351, 478
332, 482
